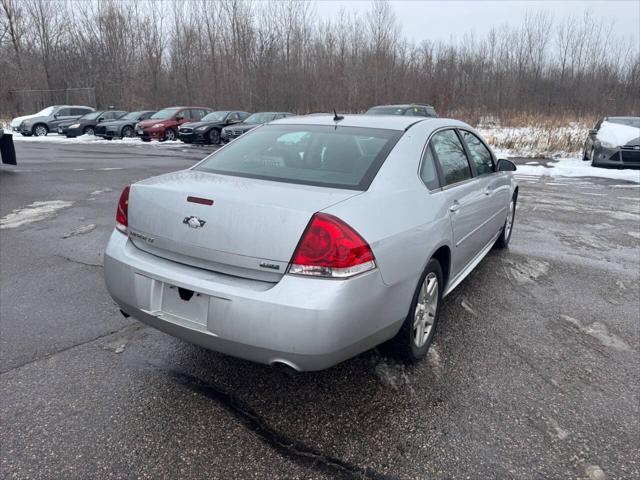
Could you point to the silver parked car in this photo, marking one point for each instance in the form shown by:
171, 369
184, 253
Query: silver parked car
47, 120
311, 239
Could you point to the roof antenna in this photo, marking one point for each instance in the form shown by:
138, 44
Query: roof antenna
336, 117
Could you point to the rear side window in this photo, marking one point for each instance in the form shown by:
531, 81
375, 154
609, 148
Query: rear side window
339, 157
64, 112
451, 156
428, 171
480, 155
79, 111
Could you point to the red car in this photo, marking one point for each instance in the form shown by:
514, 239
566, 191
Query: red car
163, 125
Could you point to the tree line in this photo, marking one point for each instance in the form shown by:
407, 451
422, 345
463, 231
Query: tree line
279, 55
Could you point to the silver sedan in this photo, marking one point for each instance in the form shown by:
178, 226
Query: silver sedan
312, 239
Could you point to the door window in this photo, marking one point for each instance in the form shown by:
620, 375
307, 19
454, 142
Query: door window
64, 112
233, 117
480, 154
451, 156
428, 171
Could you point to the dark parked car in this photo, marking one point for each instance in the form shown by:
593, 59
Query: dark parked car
47, 120
163, 125
251, 122
208, 129
124, 126
413, 109
614, 142
87, 124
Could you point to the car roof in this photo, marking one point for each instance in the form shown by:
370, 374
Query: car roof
403, 105
388, 122
620, 118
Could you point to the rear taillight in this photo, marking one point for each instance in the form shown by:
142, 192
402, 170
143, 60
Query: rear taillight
331, 248
122, 212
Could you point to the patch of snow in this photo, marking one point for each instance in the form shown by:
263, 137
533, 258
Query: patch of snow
575, 167
600, 332
98, 192
80, 230
32, 213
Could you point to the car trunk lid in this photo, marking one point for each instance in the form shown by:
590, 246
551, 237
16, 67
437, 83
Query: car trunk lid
239, 226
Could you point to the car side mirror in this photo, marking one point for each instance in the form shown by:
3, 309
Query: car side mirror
506, 165
100, 120
55, 115
593, 131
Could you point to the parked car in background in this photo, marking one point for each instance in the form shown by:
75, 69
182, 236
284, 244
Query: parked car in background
87, 124
251, 122
123, 126
208, 129
286, 247
413, 109
163, 125
47, 120
614, 142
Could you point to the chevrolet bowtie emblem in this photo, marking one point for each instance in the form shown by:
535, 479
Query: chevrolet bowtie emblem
193, 222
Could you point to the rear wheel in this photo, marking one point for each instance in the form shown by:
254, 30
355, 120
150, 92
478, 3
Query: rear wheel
505, 235
416, 334
127, 132
214, 136
40, 130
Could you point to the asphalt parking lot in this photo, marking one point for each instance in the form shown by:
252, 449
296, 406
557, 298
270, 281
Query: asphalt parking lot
534, 373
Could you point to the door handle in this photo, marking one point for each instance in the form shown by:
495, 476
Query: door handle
455, 207
488, 191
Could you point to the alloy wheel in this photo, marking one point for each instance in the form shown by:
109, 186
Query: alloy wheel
169, 135
127, 132
426, 309
40, 131
509, 224
89, 131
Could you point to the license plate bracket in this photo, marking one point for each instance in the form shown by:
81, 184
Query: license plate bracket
185, 304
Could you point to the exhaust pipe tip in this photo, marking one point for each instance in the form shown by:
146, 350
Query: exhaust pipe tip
285, 367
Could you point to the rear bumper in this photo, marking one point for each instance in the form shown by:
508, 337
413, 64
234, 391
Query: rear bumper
309, 324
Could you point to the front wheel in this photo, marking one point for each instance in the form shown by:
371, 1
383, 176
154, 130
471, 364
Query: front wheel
416, 334
40, 130
127, 132
89, 131
507, 229
214, 136
169, 135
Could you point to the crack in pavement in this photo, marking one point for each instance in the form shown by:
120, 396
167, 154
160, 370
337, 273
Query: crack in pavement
133, 328
86, 264
300, 453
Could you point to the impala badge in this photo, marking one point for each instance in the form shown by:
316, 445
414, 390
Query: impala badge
193, 222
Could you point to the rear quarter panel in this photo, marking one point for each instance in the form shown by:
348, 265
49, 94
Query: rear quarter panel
398, 216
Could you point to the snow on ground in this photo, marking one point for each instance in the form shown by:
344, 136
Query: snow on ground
86, 139
576, 167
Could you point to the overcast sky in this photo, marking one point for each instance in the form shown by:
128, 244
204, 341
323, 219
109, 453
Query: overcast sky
443, 20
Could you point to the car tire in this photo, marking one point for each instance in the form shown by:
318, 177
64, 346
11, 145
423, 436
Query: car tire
145, 139
89, 131
25, 134
505, 235
413, 340
213, 137
169, 135
40, 130
127, 132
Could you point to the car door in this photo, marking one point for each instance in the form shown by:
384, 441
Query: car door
494, 185
463, 197
62, 115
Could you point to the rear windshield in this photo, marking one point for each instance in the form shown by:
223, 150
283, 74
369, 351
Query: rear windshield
339, 157
262, 117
